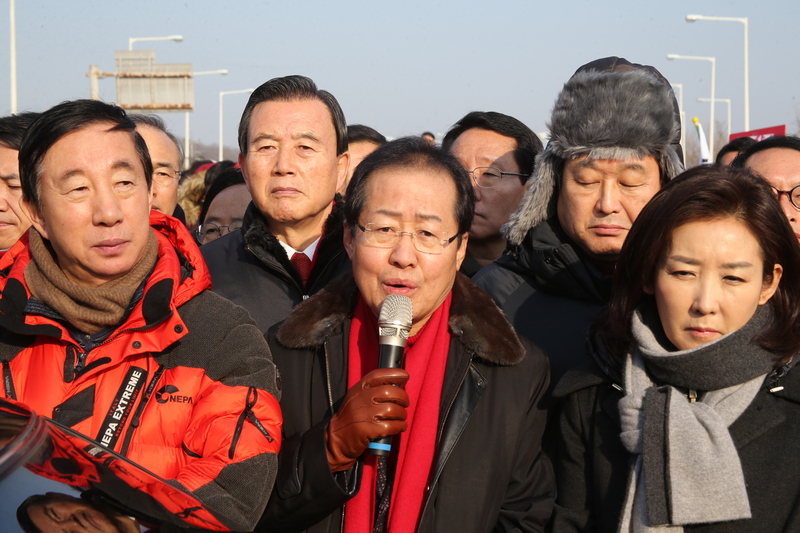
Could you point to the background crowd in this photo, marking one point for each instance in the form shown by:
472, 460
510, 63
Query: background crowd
600, 341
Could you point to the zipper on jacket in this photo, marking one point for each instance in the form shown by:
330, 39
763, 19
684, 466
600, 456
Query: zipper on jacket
328, 375
248, 414
138, 413
69, 364
8, 381
276, 266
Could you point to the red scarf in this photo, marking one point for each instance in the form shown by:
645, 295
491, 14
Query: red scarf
425, 360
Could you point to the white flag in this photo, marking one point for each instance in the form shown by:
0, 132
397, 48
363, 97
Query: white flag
705, 153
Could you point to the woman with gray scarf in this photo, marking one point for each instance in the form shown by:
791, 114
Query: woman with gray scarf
689, 418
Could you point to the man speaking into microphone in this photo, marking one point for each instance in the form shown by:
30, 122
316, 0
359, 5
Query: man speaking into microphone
465, 411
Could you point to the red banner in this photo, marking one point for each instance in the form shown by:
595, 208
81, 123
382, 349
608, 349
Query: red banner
760, 135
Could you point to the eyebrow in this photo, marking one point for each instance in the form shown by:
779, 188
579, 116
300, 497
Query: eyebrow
690, 261
590, 163
302, 135
117, 165
419, 216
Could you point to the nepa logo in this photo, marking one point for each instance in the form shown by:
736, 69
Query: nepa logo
167, 394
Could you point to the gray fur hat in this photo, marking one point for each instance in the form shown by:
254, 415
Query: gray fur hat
605, 115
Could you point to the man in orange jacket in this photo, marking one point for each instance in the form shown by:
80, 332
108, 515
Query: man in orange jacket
108, 327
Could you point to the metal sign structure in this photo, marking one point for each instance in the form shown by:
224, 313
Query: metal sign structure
144, 85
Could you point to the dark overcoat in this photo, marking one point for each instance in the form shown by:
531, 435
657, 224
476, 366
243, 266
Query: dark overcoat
592, 466
489, 471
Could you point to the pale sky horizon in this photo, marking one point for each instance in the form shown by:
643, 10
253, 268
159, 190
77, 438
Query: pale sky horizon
404, 68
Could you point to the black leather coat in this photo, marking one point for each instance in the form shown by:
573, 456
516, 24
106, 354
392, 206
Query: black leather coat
489, 471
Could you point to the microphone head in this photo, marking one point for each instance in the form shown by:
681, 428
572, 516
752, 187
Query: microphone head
395, 316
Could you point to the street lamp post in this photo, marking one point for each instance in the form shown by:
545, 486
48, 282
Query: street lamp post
679, 86
221, 94
744, 21
176, 38
13, 52
728, 102
713, 61
187, 145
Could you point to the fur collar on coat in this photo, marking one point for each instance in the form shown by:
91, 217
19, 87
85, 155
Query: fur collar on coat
475, 320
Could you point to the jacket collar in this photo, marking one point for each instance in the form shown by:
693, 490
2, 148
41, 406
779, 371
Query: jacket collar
258, 235
475, 320
179, 275
263, 244
557, 265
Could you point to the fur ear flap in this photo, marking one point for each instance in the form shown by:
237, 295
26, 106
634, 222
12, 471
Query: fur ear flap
533, 208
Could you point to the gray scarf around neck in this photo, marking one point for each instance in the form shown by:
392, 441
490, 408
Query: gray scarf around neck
686, 469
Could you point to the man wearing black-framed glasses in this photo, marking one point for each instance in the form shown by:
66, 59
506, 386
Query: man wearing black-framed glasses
498, 152
777, 160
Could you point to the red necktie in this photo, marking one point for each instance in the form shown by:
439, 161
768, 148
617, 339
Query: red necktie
302, 264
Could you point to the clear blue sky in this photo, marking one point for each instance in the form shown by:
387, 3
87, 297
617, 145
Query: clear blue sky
405, 67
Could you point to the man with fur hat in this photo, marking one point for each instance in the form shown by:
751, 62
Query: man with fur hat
614, 135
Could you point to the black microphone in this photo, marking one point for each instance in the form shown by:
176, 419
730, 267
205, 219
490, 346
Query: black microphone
394, 324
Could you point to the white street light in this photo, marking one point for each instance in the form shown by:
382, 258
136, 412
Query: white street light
176, 38
727, 101
221, 94
13, 51
743, 20
713, 61
187, 145
679, 86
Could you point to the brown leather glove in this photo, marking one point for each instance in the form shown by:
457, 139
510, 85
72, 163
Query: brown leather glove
372, 408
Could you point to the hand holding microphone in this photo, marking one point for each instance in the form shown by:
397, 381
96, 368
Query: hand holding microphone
375, 406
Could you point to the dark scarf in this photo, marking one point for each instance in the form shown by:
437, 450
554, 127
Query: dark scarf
89, 309
687, 469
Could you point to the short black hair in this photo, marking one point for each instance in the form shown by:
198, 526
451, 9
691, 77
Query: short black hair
61, 120
737, 145
779, 141
228, 178
154, 121
13, 128
410, 152
290, 88
23, 518
360, 133
528, 143
215, 171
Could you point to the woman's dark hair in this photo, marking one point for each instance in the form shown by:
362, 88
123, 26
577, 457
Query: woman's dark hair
707, 193
416, 153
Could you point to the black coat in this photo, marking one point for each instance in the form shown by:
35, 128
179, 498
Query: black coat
250, 267
489, 471
550, 293
592, 466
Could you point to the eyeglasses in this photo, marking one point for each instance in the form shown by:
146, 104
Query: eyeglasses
209, 231
164, 176
793, 194
427, 242
488, 177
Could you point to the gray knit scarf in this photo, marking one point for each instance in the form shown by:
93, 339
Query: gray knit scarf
685, 468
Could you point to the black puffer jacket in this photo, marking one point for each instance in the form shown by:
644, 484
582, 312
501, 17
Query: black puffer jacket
549, 292
592, 466
489, 472
250, 267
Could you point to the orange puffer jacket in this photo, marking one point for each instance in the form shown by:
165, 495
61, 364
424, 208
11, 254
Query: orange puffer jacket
185, 386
